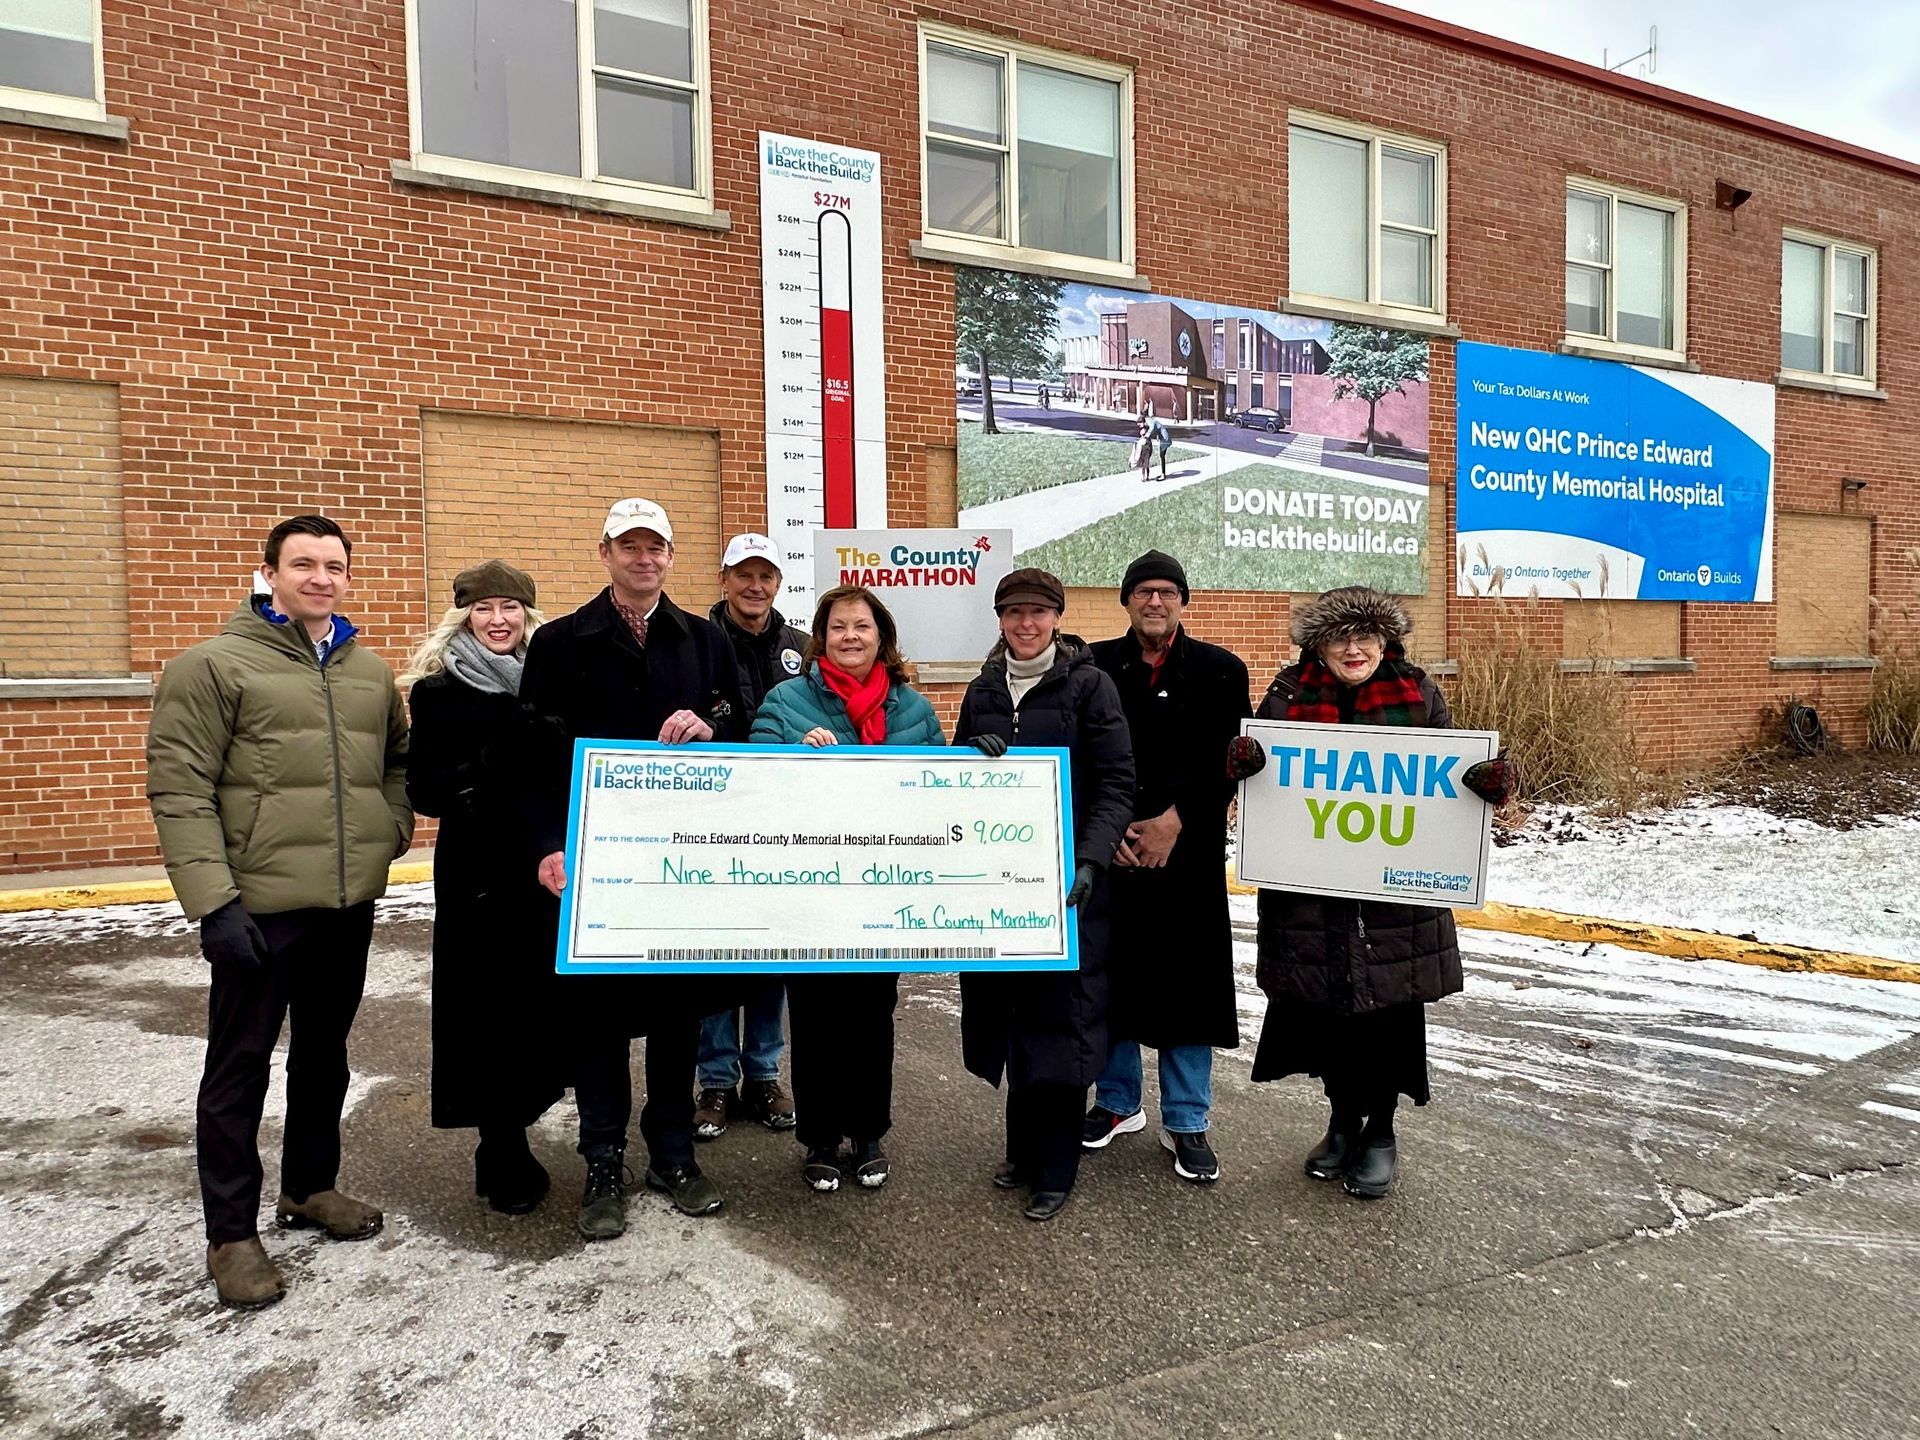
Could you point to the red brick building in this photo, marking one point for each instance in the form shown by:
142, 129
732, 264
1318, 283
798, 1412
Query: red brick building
370, 258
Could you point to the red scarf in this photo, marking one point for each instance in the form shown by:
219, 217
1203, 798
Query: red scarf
1390, 696
866, 700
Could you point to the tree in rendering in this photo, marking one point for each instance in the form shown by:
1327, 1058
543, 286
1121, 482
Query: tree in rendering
1006, 322
1372, 363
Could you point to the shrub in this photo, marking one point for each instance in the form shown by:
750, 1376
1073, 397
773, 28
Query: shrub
1567, 735
1893, 705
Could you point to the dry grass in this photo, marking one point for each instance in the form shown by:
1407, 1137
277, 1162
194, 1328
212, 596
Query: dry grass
1568, 736
1893, 705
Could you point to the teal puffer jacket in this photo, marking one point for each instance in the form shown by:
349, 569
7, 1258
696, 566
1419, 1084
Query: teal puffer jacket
804, 702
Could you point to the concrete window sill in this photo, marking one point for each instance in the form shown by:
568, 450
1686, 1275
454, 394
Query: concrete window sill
108, 127
1315, 309
1647, 666
406, 174
1599, 350
948, 672
937, 254
113, 687
1822, 662
1853, 388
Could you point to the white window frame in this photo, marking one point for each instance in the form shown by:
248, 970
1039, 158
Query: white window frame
1010, 53
49, 102
1827, 245
1677, 281
697, 200
1374, 138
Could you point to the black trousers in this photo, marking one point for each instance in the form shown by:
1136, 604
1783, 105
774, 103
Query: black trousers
842, 1056
315, 977
603, 1090
1043, 1133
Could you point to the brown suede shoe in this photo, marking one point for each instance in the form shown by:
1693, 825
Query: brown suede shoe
341, 1216
244, 1276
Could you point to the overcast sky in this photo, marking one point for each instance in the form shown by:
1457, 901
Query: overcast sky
1851, 71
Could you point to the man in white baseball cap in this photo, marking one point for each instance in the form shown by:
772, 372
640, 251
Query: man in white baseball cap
630, 665
739, 1068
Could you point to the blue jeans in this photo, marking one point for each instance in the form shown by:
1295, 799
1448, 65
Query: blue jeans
722, 1053
1186, 1085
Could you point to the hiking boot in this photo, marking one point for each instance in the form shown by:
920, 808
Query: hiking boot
1335, 1153
691, 1192
1193, 1158
821, 1170
603, 1203
243, 1275
710, 1113
507, 1176
769, 1102
1102, 1125
341, 1216
1370, 1174
869, 1164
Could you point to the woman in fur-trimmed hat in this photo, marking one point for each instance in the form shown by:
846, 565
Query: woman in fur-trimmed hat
1348, 981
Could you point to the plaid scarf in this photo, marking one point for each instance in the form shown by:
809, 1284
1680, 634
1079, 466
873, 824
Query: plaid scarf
1389, 697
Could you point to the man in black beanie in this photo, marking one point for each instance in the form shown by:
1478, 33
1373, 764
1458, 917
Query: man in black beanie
1170, 966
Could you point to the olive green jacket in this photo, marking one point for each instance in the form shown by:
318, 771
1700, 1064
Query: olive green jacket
272, 780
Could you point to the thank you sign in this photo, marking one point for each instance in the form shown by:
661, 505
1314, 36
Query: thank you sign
1367, 812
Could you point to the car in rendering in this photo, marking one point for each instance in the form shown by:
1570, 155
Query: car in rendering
1258, 417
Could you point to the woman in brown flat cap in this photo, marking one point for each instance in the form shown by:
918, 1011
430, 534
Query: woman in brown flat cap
493, 1064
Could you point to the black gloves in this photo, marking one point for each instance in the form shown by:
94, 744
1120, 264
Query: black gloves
1083, 878
991, 746
1491, 780
229, 936
1244, 757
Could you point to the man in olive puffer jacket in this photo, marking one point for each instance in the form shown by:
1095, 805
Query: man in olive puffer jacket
276, 769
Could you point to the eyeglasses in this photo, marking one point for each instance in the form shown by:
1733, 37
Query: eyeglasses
1166, 594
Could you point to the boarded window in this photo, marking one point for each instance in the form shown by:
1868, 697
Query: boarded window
1820, 577
536, 492
1620, 629
63, 553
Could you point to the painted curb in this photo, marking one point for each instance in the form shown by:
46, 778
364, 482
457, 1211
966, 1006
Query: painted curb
1669, 940
147, 892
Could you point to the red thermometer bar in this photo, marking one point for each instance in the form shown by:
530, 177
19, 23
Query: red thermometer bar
836, 367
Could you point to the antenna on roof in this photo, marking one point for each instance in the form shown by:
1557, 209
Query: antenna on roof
1651, 54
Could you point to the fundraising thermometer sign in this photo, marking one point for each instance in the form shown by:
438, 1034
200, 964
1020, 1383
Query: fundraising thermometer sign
826, 403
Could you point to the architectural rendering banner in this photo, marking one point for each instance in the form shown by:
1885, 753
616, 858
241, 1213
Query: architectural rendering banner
1267, 452
1588, 479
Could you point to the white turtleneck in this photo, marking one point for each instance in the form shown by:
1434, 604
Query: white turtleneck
1023, 675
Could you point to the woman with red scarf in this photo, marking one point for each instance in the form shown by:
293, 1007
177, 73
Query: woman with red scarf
1348, 981
852, 690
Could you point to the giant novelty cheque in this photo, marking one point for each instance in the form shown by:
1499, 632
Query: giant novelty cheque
772, 858
1366, 812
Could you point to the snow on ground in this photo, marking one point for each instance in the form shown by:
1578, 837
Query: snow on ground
1724, 868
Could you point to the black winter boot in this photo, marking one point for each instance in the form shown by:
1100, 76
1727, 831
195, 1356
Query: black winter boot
1370, 1173
505, 1172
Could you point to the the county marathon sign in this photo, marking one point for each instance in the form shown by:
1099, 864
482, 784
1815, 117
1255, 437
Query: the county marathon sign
1368, 812
1586, 479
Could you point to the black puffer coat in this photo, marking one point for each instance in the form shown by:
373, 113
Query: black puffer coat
1354, 956
1050, 1028
771, 658
1171, 960
493, 983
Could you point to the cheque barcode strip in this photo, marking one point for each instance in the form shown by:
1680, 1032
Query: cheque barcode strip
877, 952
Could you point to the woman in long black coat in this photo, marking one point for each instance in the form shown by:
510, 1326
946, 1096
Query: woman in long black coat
493, 1063
1348, 981
1046, 1032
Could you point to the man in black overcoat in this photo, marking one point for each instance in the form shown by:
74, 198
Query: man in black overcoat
630, 665
1170, 962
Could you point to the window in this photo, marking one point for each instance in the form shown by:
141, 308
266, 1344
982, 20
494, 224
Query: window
1025, 151
50, 57
1366, 217
1625, 259
1826, 307
603, 98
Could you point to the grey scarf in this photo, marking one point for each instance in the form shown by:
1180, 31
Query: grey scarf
472, 663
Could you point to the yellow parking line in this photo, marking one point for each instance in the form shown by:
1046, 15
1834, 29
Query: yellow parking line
142, 892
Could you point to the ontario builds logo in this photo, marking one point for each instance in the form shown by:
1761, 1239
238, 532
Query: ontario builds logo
608, 773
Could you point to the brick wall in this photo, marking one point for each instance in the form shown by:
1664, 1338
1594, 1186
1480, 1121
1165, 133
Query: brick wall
276, 313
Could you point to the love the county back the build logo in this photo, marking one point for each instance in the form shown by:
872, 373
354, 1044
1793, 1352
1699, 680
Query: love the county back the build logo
612, 773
